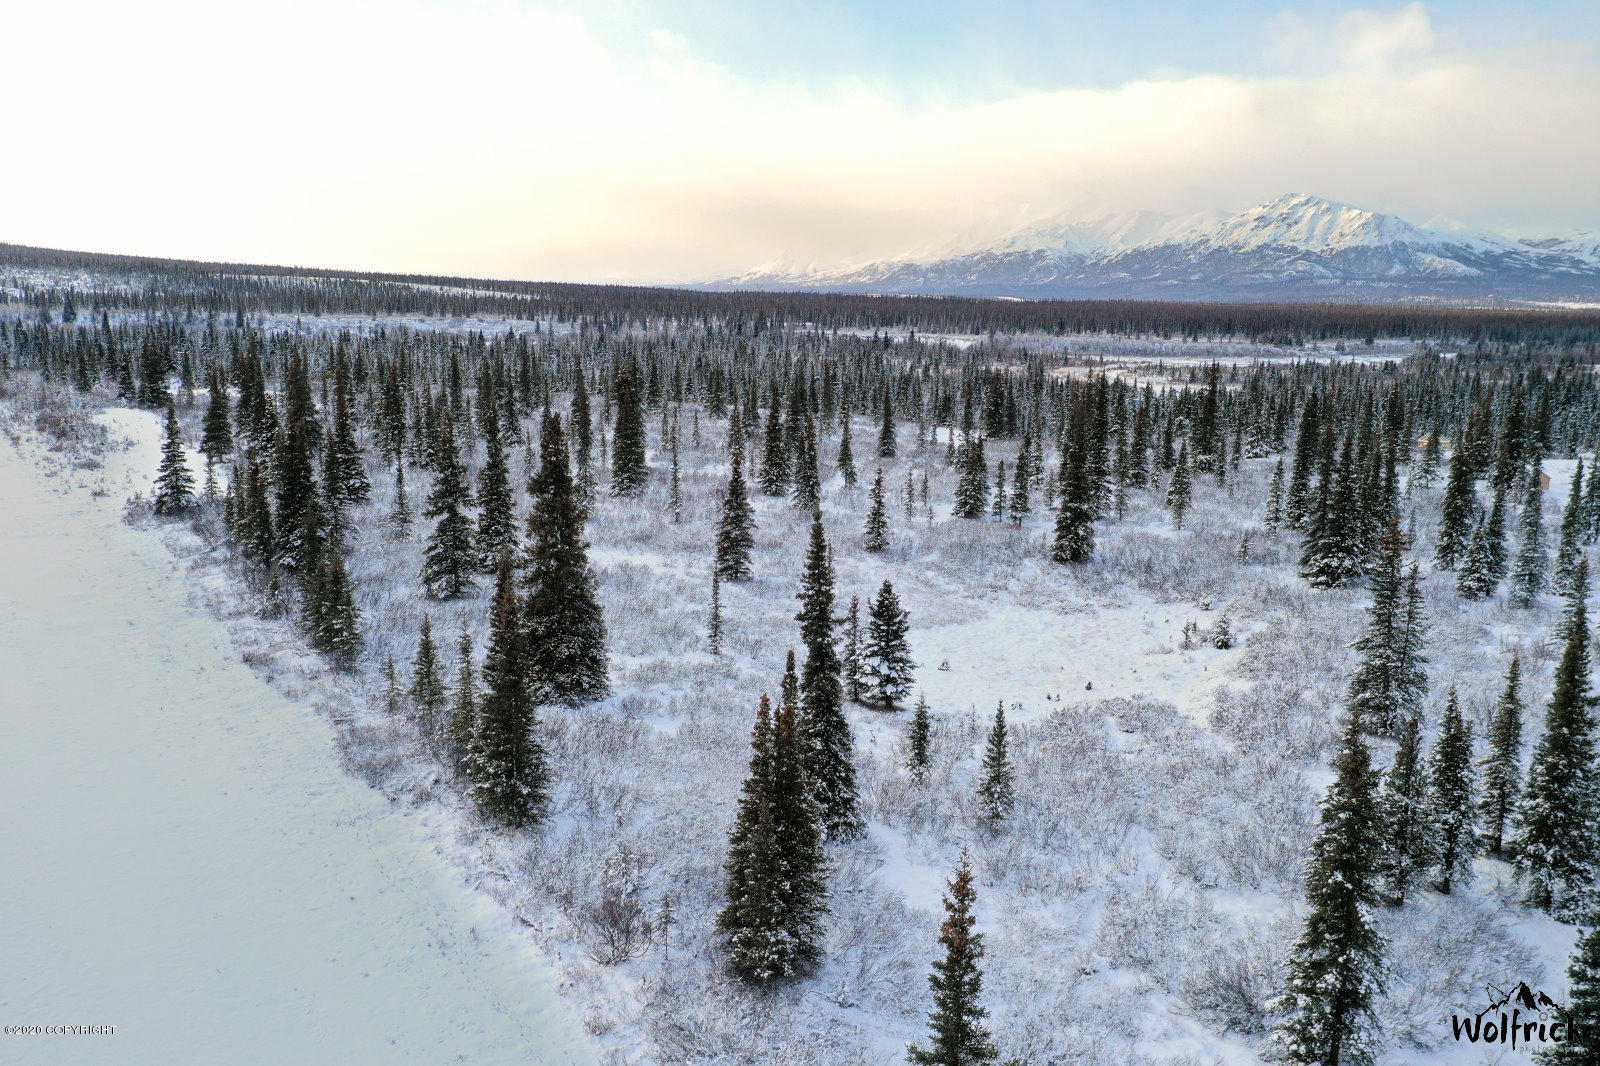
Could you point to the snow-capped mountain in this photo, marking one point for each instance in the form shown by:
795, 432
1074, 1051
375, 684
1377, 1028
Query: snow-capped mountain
1295, 246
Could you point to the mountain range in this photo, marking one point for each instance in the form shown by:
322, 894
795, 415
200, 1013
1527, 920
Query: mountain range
1296, 247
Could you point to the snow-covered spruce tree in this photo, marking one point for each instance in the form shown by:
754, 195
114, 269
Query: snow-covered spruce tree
1528, 577
1019, 506
1495, 533
1569, 542
773, 476
497, 519
428, 694
735, 529
565, 631
807, 481
253, 519
461, 727
1335, 547
714, 626
344, 467
886, 654
1459, 504
918, 739
886, 427
972, 487
1299, 502
1388, 683
957, 1035
1501, 766
1274, 518
1336, 969
1556, 839
1180, 491
400, 517
174, 487
333, 618
1476, 579
875, 537
1073, 538
830, 749
628, 471
846, 460
451, 556
1407, 849
509, 768
776, 889
996, 794
852, 665
217, 439
1581, 1045
675, 485
1451, 812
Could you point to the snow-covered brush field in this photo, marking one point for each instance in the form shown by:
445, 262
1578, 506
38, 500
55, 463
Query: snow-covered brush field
1138, 904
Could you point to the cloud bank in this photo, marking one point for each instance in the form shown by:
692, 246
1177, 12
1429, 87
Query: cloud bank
489, 138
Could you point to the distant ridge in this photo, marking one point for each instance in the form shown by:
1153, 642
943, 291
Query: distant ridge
1295, 247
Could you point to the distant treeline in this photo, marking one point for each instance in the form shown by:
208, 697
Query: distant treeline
183, 287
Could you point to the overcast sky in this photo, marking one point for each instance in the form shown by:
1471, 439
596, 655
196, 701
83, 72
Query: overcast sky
671, 140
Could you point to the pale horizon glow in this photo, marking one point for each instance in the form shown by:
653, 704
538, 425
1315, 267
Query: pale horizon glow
509, 140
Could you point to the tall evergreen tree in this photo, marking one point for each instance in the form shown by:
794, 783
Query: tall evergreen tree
886, 426
1389, 682
853, 665
217, 442
1581, 1045
735, 529
461, 727
972, 488
996, 794
497, 519
1403, 816
345, 469
428, 693
174, 488
1476, 579
847, 456
956, 1031
1179, 492
1502, 765
565, 631
1460, 502
451, 556
1336, 969
830, 749
1570, 540
887, 654
1274, 518
714, 627
1528, 578
1556, 837
509, 767
875, 537
628, 470
1450, 800
918, 740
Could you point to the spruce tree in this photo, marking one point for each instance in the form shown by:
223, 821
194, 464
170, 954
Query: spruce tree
1450, 800
451, 556
1388, 683
1476, 580
918, 740
1527, 579
1581, 1043
1404, 818
830, 749
1502, 765
1336, 968
875, 537
1460, 501
510, 775
427, 684
628, 471
1274, 517
972, 488
1568, 543
345, 468
886, 426
565, 631
1556, 839
735, 529
1180, 492
400, 517
497, 520
886, 653
217, 441
776, 894
957, 1035
714, 627
995, 793
852, 667
1336, 543
338, 620
461, 728
174, 487
847, 457
1073, 538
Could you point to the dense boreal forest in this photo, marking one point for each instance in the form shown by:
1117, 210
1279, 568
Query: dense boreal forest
682, 602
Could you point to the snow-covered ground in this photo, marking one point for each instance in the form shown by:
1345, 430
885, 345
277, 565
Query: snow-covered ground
183, 857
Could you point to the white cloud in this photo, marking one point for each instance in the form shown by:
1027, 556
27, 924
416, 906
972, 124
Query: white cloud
492, 138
